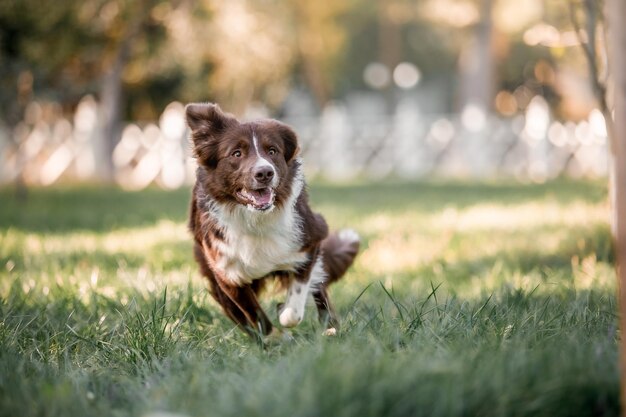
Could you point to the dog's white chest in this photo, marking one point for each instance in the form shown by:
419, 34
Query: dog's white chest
256, 244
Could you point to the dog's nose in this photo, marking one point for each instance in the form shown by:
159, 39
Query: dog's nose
264, 174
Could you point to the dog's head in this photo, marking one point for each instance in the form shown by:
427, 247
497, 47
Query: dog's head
251, 164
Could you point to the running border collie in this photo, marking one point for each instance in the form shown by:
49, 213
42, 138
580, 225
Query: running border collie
251, 221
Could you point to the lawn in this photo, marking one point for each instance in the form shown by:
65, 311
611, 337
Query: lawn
468, 299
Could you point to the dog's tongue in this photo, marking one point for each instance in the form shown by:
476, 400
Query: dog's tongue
261, 197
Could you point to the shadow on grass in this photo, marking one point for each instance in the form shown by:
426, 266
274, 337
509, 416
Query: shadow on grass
90, 208
159, 258
393, 197
56, 262
106, 208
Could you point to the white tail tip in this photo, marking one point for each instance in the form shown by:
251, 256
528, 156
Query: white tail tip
349, 235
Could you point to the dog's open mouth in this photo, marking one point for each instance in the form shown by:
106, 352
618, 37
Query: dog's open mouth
261, 199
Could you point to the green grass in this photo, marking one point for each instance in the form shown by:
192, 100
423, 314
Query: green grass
489, 299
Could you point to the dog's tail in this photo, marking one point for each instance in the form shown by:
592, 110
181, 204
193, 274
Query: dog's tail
338, 252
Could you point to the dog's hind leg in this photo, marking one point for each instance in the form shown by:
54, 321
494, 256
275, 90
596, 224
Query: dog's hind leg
325, 311
338, 253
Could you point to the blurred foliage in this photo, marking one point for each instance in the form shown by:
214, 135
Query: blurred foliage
242, 51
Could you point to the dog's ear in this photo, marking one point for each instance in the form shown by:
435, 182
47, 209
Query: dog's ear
207, 116
290, 141
207, 122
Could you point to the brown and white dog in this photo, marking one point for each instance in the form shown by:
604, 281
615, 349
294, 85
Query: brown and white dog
251, 221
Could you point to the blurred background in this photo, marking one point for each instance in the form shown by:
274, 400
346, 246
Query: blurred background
94, 90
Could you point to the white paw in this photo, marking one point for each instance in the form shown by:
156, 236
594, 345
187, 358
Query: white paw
330, 332
349, 235
290, 317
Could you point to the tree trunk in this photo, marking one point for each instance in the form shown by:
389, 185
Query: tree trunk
476, 64
389, 50
314, 78
24, 96
616, 14
112, 94
111, 102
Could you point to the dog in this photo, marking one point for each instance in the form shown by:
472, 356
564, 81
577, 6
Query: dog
251, 221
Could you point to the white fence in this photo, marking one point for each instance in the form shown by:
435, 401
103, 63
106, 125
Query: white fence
47, 148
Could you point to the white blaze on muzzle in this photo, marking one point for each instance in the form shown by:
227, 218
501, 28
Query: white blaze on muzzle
262, 162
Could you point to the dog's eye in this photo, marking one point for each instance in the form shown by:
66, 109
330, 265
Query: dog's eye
236, 154
272, 151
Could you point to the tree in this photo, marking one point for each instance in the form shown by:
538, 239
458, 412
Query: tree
27, 66
610, 17
129, 20
320, 40
616, 12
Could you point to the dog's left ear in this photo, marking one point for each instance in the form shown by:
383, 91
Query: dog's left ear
290, 141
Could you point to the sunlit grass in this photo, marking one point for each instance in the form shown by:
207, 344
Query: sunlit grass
467, 299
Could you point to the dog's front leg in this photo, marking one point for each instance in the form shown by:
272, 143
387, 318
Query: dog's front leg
300, 284
242, 306
292, 311
240, 303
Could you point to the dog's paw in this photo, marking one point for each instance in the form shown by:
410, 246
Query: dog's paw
277, 336
289, 317
331, 331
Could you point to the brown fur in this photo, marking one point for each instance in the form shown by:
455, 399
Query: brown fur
222, 146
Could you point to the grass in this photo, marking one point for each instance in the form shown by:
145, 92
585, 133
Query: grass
489, 299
